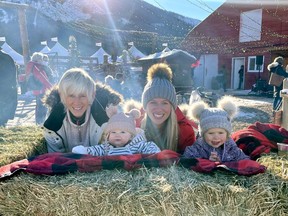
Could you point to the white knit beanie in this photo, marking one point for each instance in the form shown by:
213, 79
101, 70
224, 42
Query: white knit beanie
159, 85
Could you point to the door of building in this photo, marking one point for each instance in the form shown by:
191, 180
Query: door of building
236, 64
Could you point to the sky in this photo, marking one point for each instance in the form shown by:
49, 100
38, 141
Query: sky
197, 9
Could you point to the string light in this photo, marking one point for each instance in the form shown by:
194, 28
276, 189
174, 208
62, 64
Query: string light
202, 43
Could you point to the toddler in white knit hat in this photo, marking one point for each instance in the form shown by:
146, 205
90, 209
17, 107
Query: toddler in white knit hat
121, 137
215, 128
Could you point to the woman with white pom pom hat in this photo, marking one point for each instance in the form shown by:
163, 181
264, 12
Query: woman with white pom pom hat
164, 122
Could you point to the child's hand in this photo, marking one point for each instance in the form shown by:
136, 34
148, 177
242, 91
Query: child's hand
214, 157
79, 150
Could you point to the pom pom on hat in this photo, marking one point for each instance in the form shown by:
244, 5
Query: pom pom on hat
159, 85
162, 71
219, 117
122, 121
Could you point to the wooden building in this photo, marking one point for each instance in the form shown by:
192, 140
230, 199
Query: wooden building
238, 34
180, 62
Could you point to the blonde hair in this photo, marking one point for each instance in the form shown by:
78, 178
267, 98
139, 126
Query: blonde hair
167, 136
76, 81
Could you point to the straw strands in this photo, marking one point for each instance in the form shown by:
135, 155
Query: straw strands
156, 191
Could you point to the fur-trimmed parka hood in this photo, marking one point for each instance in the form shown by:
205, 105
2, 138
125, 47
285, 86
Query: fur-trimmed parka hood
105, 96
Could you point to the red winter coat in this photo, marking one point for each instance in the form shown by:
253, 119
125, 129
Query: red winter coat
186, 132
40, 74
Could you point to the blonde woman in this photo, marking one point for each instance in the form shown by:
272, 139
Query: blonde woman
78, 107
164, 123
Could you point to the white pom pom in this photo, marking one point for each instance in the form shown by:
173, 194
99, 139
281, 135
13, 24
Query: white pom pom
227, 103
197, 108
131, 104
135, 113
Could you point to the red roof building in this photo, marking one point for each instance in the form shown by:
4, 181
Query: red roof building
239, 33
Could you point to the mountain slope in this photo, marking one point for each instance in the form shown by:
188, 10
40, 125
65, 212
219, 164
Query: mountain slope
112, 22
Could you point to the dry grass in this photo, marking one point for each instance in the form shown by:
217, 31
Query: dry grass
156, 191
171, 191
17, 143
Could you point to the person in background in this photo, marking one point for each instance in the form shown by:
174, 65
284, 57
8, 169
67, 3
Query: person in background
277, 67
121, 138
77, 108
35, 68
118, 82
122, 86
8, 88
164, 123
241, 74
215, 143
50, 73
109, 80
222, 78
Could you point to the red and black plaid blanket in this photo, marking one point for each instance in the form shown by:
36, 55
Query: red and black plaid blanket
260, 138
242, 167
63, 163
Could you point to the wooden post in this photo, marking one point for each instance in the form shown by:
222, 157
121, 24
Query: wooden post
24, 34
284, 96
23, 26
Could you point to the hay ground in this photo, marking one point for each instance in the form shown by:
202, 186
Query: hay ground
156, 191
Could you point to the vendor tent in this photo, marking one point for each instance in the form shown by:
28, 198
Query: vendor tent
175, 53
45, 50
15, 55
59, 50
166, 49
180, 62
99, 54
135, 53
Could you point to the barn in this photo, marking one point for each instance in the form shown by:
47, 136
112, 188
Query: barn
250, 34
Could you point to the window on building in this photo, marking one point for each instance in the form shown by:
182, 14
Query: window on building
250, 26
252, 64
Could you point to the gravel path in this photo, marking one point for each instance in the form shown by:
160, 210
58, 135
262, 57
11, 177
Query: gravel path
25, 113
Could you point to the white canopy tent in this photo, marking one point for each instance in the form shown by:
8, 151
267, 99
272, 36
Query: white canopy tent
99, 54
59, 49
166, 49
18, 58
45, 50
135, 53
